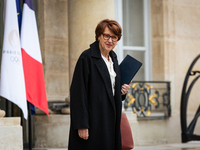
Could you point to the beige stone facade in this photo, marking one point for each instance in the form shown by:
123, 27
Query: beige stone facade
52, 131
175, 43
11, 134
66, 28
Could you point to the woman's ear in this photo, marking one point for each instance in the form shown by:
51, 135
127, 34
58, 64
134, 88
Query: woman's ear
98, 39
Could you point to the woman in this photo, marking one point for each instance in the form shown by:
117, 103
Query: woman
96, 93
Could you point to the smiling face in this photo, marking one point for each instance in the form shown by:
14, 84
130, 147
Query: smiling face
106, 45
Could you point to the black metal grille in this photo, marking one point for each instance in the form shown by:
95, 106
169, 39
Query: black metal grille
188, 131
149, 99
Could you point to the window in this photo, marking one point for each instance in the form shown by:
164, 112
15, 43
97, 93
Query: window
133, 16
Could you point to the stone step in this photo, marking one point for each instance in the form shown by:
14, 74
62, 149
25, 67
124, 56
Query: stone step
194, 145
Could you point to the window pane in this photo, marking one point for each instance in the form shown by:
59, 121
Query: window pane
139, 56
133, 23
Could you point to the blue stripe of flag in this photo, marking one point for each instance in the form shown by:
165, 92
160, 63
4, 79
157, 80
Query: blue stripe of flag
19, 14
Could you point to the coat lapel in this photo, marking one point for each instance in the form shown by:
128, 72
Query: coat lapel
103, 71
117, 71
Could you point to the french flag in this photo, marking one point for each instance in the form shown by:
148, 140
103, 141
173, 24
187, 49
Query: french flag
32, 61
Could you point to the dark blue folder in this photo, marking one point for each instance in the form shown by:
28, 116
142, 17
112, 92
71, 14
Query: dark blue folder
129, 67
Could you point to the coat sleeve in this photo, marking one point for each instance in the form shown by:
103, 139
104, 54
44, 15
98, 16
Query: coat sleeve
78, 95
123, 97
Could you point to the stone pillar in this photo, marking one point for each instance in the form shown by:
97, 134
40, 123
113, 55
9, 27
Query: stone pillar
157, 39
53, 33
164, 55
84, 15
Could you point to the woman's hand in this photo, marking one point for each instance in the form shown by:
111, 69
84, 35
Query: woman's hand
83, 133
125, 89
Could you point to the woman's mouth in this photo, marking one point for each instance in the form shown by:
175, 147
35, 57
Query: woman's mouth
108, 44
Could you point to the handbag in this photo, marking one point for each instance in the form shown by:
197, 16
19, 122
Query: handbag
126, 134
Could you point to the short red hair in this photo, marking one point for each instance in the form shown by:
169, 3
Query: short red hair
112, 25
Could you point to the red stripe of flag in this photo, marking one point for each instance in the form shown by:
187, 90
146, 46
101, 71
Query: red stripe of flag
34, 81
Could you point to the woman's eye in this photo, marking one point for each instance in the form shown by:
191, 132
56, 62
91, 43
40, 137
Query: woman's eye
107, 36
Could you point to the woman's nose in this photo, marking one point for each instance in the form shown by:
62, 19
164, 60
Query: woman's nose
110, 39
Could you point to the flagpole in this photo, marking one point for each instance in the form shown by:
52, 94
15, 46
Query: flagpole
7, 102
12, 110
29, 126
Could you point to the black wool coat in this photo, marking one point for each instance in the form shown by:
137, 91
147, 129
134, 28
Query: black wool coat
92, 103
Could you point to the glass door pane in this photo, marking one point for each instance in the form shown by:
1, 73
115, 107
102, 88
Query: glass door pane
133, 23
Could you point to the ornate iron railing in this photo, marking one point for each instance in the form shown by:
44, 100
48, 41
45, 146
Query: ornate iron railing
188, 131
149, 99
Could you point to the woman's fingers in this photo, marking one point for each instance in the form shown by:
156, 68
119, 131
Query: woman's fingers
86, 134
125, 89
83, 133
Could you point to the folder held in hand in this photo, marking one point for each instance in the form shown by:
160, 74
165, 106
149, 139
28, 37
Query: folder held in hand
129, 67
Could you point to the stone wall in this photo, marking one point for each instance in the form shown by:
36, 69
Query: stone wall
175, 43
52, 131
175, 28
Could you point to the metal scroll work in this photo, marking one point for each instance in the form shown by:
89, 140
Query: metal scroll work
188, 131
149, 99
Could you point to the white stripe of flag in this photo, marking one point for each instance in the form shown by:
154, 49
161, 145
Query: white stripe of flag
12, 84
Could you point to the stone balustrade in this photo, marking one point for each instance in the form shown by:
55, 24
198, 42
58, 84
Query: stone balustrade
10, 133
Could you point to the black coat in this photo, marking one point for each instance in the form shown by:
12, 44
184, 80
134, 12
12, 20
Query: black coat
92, 103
